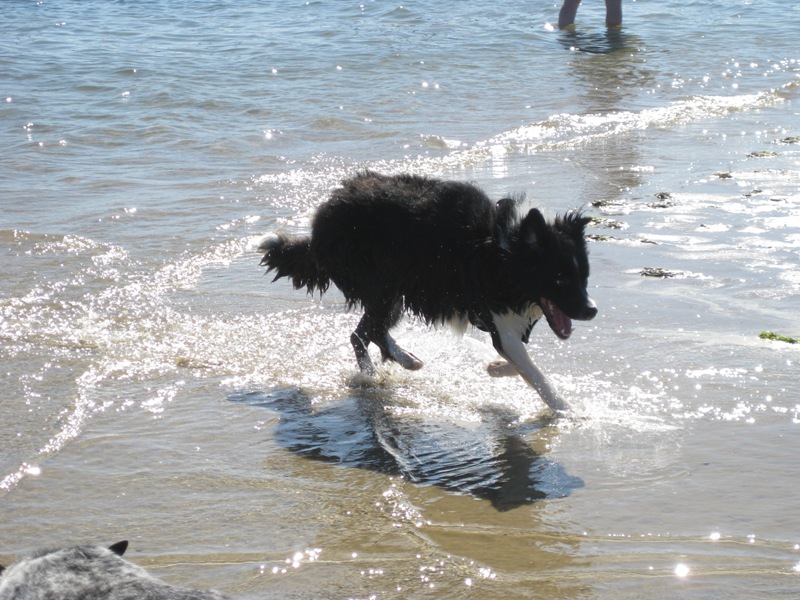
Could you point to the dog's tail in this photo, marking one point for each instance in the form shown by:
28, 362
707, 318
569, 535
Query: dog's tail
292, 257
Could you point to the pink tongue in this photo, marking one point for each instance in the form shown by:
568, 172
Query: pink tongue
560, 323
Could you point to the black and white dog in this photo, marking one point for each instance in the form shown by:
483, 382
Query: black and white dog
88, 573
443, 251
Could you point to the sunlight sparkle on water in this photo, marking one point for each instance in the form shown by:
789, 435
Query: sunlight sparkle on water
32, 470
297, 560
681, 570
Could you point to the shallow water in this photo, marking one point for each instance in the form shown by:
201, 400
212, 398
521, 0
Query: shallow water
159, 389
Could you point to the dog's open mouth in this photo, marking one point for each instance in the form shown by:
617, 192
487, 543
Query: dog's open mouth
560, 323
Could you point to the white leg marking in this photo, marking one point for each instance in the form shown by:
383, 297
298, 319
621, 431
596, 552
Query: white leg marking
511, 327
365, 365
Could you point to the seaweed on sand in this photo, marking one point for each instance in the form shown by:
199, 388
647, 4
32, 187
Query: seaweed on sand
771, 335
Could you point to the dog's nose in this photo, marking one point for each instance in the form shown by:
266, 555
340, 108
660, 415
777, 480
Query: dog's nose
590, 312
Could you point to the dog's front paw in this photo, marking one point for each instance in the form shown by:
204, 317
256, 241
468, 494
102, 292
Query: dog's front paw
501, 368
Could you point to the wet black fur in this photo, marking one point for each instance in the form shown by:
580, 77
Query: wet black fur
441, 250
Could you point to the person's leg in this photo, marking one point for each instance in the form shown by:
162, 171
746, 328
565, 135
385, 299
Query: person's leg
566, 15
613, 13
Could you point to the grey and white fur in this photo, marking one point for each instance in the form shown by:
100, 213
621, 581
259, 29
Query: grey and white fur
88, 573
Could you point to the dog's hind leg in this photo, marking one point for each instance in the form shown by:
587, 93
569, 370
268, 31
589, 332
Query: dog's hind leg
383, 319
391, 351
360, 341
389, 347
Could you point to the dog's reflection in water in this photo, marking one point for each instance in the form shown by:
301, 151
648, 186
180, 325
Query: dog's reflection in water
490, 460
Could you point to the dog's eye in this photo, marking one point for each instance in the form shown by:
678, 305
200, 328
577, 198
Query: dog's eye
561, 280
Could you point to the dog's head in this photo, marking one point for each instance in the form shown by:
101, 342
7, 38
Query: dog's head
557, 262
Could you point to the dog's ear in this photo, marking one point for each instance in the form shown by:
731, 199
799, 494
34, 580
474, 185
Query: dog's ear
573, 224
119, 548
504, 221
533, 229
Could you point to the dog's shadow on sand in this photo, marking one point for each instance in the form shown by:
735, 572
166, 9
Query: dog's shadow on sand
490, 459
